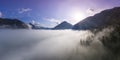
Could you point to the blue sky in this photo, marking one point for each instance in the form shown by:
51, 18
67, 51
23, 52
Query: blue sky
51, 12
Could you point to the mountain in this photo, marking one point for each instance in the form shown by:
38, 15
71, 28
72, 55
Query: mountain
12, 24
106, 23
63, 25
109, 17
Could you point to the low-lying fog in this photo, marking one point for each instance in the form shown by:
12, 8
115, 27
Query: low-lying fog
51, 45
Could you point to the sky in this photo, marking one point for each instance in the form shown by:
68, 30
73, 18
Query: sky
49, 13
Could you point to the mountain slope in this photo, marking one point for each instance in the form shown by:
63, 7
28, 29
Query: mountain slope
12, 23
103, 19
63, 25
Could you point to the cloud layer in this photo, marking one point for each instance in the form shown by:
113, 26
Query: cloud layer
50, 45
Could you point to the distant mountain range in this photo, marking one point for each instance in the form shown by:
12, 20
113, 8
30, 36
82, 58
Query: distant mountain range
37, 26
106, 18
12, 24
63, 25
109, 17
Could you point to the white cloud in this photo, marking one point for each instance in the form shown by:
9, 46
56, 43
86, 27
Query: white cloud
1, 14
23, 10
35, 22
90, 11
52, 45
93, 11
53, 20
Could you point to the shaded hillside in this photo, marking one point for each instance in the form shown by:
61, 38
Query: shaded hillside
103, 19
12, 23
63, 25
110, 20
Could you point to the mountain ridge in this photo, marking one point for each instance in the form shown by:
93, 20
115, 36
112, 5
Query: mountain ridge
12, 23
63, 25
103, 19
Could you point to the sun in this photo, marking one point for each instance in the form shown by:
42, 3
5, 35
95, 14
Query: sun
77, 16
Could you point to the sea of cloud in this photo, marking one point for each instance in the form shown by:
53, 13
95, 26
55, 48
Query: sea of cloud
51, 45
